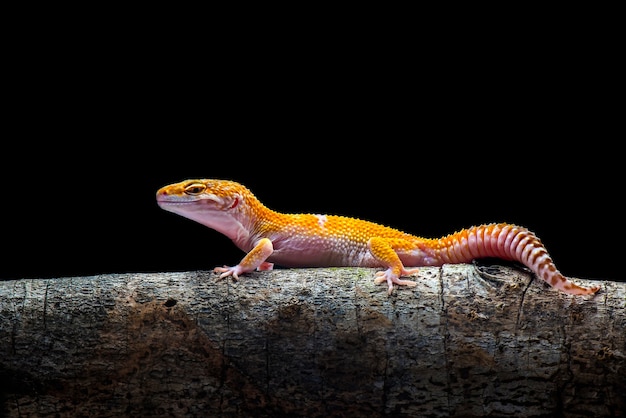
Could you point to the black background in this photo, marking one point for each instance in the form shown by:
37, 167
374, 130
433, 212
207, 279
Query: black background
429, 137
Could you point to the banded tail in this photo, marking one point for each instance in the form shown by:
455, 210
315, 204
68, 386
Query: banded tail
508, 242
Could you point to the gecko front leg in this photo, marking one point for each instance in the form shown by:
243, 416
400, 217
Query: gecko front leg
384, 250
253, 260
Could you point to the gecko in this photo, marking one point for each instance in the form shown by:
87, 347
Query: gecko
296, 240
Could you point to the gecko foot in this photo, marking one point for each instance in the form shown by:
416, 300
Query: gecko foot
391, 278
226, 271
237, 270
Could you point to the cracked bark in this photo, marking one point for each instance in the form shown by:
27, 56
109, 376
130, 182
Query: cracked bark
311, 342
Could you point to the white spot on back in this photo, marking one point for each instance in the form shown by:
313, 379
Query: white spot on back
321, 220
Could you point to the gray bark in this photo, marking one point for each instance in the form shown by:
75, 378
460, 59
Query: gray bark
311, 342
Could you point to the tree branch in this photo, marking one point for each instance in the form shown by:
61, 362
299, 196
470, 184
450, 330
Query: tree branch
466, 341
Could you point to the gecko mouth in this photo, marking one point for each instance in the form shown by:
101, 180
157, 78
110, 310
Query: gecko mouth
162, 199
198, 203
172, 203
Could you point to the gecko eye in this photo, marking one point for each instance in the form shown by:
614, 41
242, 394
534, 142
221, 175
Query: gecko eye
195, 189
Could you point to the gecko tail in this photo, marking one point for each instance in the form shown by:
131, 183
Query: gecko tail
510, 242
562, 283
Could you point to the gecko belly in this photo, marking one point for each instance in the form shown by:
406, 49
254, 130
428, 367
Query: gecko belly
322, 258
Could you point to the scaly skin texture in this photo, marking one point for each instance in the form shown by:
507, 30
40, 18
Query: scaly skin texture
308, 240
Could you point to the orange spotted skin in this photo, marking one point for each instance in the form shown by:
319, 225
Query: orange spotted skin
310, 240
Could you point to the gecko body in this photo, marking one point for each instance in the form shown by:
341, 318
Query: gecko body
312, 240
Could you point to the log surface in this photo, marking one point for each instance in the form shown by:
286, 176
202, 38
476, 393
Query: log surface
466, 341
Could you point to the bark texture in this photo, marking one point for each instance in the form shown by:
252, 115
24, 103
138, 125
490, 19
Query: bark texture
467, 341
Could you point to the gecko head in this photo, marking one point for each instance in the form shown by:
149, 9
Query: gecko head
222, 205
201, 199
